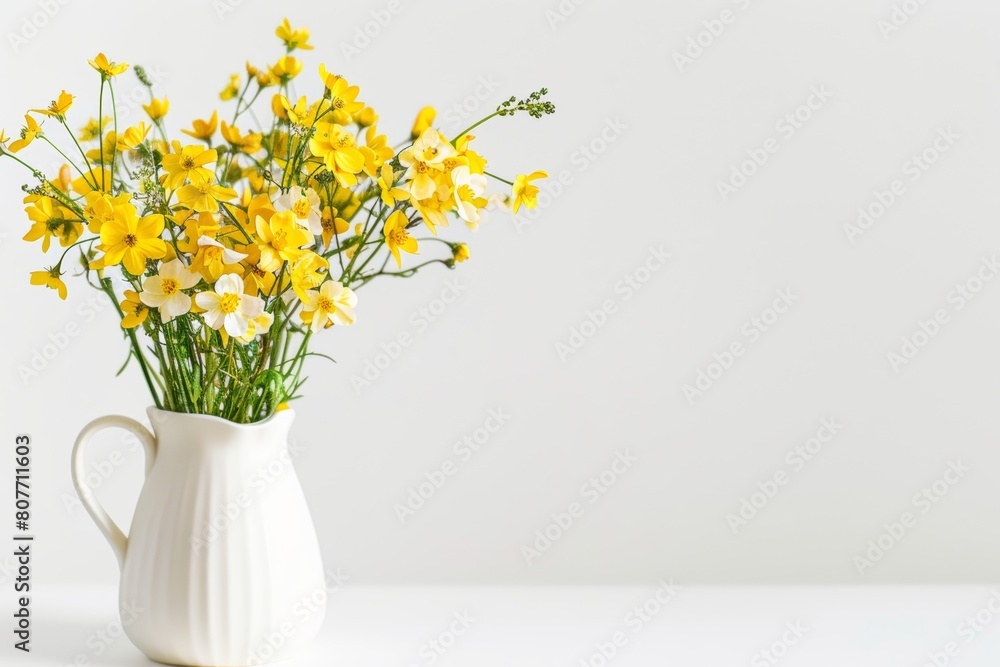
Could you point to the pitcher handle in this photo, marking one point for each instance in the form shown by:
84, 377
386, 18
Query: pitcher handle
111, 531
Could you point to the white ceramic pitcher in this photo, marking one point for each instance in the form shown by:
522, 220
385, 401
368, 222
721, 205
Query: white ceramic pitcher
221, 567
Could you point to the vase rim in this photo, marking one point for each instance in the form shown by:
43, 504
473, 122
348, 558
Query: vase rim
155, 417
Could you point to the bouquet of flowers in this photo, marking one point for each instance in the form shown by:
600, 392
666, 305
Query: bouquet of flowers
225, 256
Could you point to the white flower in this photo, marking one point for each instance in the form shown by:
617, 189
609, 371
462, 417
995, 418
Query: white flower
228, 307
331, 304
229, 256
258, 326
164, 291
469, 189
304, 204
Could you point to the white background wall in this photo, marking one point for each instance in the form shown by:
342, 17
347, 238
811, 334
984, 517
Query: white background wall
654, 185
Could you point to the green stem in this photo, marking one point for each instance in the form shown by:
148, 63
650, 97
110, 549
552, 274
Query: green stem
78, 146
472, 127
80, 171
106, 283
502, 180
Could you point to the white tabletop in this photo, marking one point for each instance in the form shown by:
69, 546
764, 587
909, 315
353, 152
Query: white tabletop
550, 626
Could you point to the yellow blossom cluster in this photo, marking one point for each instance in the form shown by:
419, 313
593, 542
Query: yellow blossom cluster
230, 248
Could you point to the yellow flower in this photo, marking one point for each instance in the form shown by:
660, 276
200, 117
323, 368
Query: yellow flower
469, 191
214, 259
465, 155
228, 308
293, 39
195, 226
59, 106
390, 193
425, 118
232, 89
461, 252
284, 110
308, 272
366, 117
331, 223
135, 310
327, 77
524, 192
132, 240
3, 137
331, 304
204, 129
335, 145
249, 144
425, 157
51, 279
354, 243
93, 129
108, 147
376, 151
256, 280
187, 163
100, 208
396, 236
132, 137
286, 69
63, 181
50, 219
343, 96
204, 196
95, 179
28, 133
106, 68
281, 239
165, 290
157, 109
266, 78
433, 210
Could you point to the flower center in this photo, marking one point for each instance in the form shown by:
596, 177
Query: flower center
301, 208
138, 307
131, 240
169, 286
187, 163
325, 304
422, 168
398, 236
229, 303
338, 103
